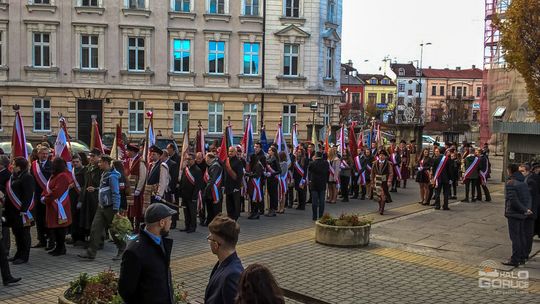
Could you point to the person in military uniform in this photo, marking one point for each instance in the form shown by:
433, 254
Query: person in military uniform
158, 176
382, 174
41, 171
88, 199
191, 183
137, 181
201, 163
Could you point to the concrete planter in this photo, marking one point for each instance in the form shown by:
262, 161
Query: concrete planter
342, 236
62, 300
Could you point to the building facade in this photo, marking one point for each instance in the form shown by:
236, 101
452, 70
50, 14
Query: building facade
182, 59
379, 94
411, 94
352, 90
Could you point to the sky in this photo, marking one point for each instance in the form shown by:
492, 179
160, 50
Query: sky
373, 30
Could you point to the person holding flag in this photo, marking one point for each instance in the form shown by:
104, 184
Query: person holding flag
191, 182
234, 173
137, 180
440, 178
158, 176
213, 178
381, 175
41, 171
300, 176
255, 174
367, 164
395, 159
272, 174
88, 199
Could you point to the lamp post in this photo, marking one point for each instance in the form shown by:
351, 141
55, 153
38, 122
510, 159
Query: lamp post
420, 127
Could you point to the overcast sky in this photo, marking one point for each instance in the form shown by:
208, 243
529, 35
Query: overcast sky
375, 29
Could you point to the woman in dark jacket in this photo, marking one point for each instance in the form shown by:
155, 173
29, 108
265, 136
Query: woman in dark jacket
300, 177
422, 176
273, 170
345, 174
254, 174
258, 285
20, 190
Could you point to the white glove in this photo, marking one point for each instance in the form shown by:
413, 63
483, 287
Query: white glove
157, 197
267, 174
79, 205
137, 193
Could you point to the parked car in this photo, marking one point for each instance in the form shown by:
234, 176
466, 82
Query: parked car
76, 145
427, 141
108, 138
161, 142
6, 146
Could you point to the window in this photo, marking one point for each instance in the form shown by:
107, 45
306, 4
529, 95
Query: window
409, 93
453, 91
89, 51
459, 91
136, 4
216, 57
435, 114
373, 81
41, 50
41, 2
91, 3
390, 98
181, 6
251, 8
385, 81
401, 72
478, 91
136, 53
441, 90
136, 116
401, 87
326, 115
290, 60
216, 6
215, 117
433, 90
401, 100
289, 118
292, 8
418, 88
331, 11
383, 98
1, 45
250, 110
372, 98
475, 116
464, 91
329, 63
356, 98
180, 116
42, 114
181, 54
251, 58
1, 114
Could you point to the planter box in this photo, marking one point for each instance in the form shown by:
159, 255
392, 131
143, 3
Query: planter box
342, 236
62, 300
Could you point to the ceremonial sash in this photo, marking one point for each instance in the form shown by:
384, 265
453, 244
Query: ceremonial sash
206, 177
333, 173
440, 167
17, 203
344, 165
483, 174
256, 196
361, 171
190, 176
282, 186
215, 189
62, 217
38, 175
470, 169
75, 182
397, 169
300, 172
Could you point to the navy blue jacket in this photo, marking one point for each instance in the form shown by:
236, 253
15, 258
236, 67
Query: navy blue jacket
517, 197
223, 284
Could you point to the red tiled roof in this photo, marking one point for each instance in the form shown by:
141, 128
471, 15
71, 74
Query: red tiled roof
458, 74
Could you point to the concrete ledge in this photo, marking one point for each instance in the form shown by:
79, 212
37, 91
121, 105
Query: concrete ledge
342, 236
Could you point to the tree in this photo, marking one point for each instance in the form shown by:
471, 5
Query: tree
520, 37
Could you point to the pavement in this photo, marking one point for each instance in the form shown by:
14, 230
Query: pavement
416, 254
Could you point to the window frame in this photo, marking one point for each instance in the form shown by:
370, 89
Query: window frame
42, 110
92, 48
181, 51
291, 55
183, 2
289, 8
217, 12
180, 113
331, 14
136, 48
136, 112
217, 128
127, 4
441, 91
255, 10
251, 55
81, 3
254, 114
41, 45
215, 61
401, 87
478, 91
433, 90
289, 118
41, 2
329, 60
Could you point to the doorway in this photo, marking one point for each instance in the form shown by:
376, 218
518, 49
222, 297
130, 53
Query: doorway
86, 108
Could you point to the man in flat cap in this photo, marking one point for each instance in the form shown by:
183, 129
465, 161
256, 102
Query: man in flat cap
158, 177
145, 273
137, 181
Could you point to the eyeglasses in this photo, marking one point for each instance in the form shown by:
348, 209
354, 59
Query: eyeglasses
210, 239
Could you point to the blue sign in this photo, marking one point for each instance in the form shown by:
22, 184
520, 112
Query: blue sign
382, 106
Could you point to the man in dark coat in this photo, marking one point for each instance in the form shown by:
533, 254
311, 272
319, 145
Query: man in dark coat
88, 199
78, 235
212, 192
483, 169
440, 172
191, 184
201, 163
234, 173
41, 171
319, 171
223, 283
528, 224
517, 206
145, 273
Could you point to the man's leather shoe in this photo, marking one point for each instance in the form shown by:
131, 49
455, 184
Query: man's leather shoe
446, 208
39, 245
190, 231
437, 208
510, 263
58, 252
11, 280
12, 259
183, 230
50, 246
19, 261
85, 256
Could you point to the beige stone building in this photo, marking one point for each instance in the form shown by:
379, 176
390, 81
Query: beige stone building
197, 60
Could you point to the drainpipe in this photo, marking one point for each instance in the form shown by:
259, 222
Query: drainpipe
263, 53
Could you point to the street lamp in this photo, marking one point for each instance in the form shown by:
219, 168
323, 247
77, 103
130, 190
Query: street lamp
420, 128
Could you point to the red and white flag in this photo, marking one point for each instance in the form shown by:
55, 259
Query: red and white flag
18, 138
95, 137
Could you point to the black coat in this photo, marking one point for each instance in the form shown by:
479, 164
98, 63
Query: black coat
145, 273
188, 191
223, 283
23, 186
237, 167
445, 175
533, 189
214, 172
46, 170
319, 171
517, 197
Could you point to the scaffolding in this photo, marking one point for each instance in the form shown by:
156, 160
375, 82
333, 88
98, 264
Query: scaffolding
493, 58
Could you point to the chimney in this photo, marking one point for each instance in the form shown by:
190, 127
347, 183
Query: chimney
473, 66
429, 67
458, 68
350, 63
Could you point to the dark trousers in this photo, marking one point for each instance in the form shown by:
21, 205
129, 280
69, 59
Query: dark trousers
272, 184
355, 188
344, 184
517, 237
445, 187
42, 233
431, 192
301, 197
528, 230
4, 265
190, 213
77, 232
290, 198
453, 189
395, 182
6, 238
233, 205
472, 186
23, 241
256, 207
317, 203
487, 195
102, 221
59, 237
363, 191
211, 210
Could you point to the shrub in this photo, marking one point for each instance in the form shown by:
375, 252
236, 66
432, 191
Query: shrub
345, 220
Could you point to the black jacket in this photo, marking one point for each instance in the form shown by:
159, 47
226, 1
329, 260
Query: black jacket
145, 274
445, 175
223, 283
188, 191
23, 186
517, 197
173, 172
237, 167
533, 189
319, 171
46, 170
214, 172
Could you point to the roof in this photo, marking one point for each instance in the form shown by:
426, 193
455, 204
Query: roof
347, 76
367, 77
457, 74
409, 68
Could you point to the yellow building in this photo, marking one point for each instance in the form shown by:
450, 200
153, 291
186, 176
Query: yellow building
379, 90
